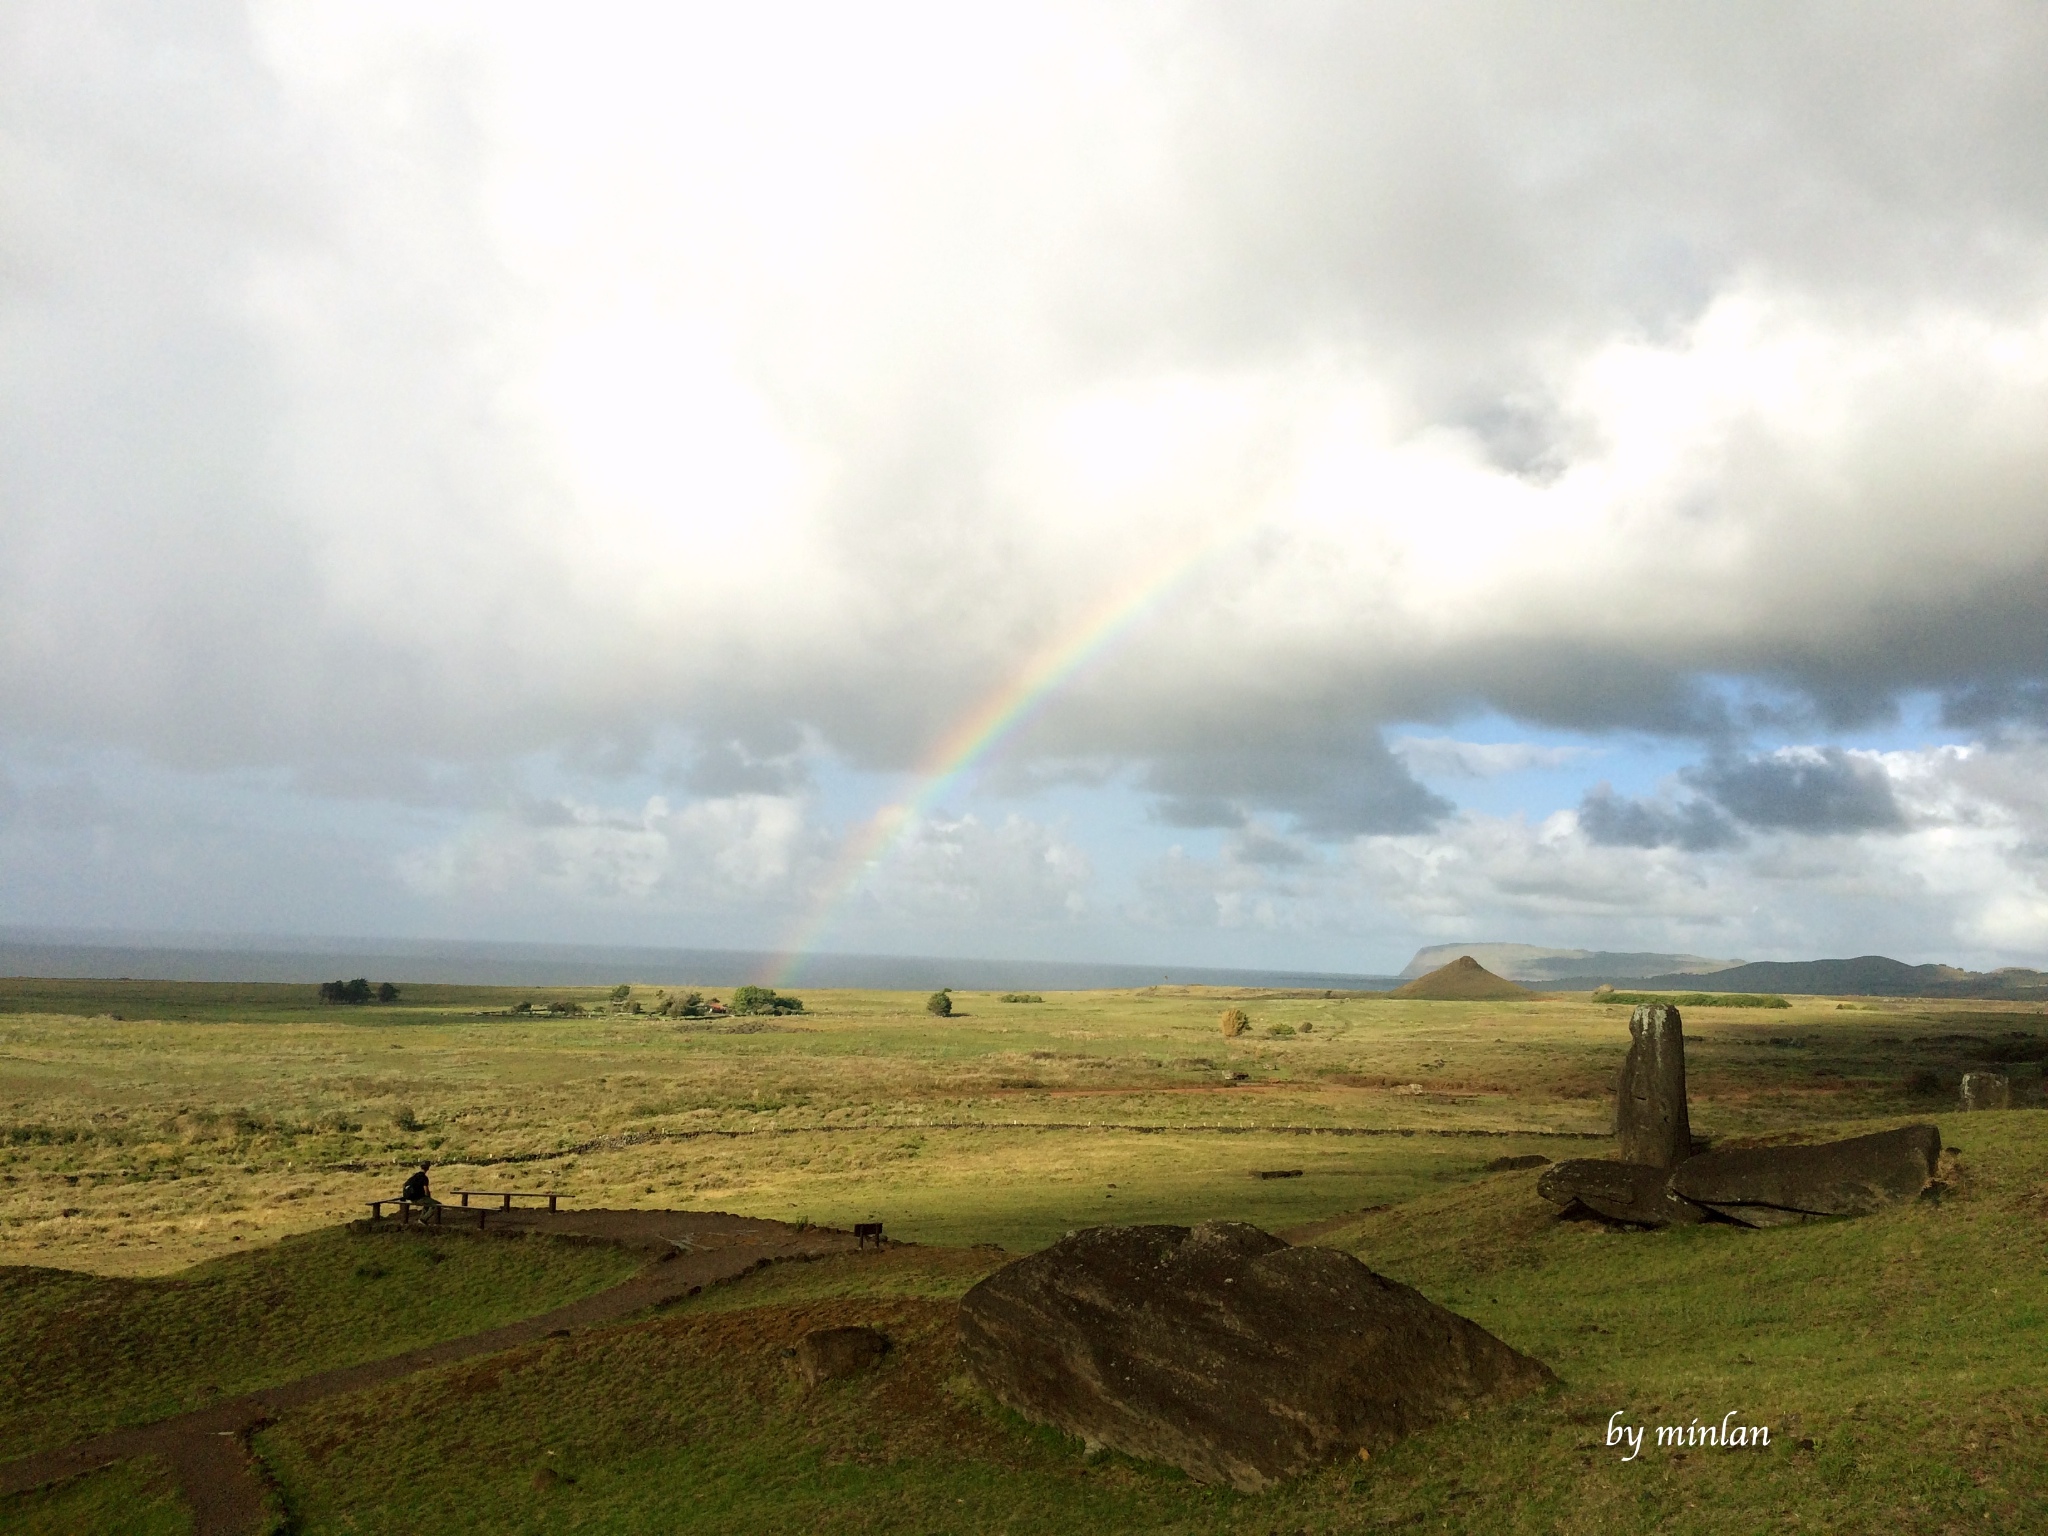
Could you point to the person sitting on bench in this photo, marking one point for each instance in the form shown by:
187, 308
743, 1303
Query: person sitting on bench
416, 1188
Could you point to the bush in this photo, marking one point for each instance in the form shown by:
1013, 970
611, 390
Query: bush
1234, 1023
405, 1119
1278, 1031
940, 1004
1022, 997
1923, 1084
621, 992
764, 1000
565, 1009
357, 991
386, 992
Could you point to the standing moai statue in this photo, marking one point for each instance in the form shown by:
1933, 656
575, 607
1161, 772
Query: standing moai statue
1987, 1090
1649, 1111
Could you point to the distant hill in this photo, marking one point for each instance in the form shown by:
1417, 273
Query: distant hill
1864, 976
1463, 980
1531, 962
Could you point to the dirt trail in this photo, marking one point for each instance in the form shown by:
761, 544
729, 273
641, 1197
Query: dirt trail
208, 1448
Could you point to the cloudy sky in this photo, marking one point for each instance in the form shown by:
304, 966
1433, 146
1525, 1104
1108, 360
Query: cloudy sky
1567, 474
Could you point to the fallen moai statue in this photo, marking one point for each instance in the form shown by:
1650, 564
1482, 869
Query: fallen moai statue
1632, 1192
1774, 1186
1225, 1352
1659, 1182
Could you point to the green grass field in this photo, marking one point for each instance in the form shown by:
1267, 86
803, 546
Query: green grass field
1901, 1361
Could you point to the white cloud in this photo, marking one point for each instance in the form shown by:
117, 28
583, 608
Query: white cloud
711, 850
953, 874
1443, 757
1967, 878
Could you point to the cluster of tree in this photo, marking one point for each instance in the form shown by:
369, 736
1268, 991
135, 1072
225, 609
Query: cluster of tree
566, 1009
357, 991
689, 1005
764, 1000
1022, 997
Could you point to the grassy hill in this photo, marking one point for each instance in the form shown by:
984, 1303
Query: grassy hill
1901, 1361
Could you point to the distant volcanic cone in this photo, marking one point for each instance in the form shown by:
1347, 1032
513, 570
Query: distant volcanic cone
1464, 980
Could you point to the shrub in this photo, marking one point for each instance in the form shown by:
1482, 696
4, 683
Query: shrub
940, 1004
764, 1000
1022, 997
1923, 1084
525, 1007
1277, 1031
564, 1009
1234, 1023
405, 1119
386, 992
621, 992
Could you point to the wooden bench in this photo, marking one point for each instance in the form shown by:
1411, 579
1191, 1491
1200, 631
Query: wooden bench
509, 1195
417, 1210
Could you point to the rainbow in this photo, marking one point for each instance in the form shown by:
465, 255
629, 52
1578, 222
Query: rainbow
989, 723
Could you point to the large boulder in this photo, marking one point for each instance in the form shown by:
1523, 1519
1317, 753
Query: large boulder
1225, 1352
1634, 1193
1771, 1186
1650, 1112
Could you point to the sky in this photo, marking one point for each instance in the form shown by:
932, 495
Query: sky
1251, 485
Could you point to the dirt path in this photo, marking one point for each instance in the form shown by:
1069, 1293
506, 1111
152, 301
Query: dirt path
208, 1448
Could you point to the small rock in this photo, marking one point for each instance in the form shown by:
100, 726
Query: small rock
1773, 1186
1650, 1110
1224, 1352
832, 1354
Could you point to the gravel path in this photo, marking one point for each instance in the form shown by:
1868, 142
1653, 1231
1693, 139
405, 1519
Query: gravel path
208, 1449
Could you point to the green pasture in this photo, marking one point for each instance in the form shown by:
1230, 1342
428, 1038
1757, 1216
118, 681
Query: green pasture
1900, 1361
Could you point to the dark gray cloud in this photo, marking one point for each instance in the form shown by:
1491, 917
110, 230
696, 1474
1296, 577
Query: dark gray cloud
1195, 811
1991, 704
1820, 790
1258, 847
1620, 821
1353, 786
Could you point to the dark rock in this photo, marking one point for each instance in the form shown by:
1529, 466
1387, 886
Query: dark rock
832, 1354
1649, 1112
1223, 1351
1986, 1090
1509, 1164
1631, 1192
1771, 1186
